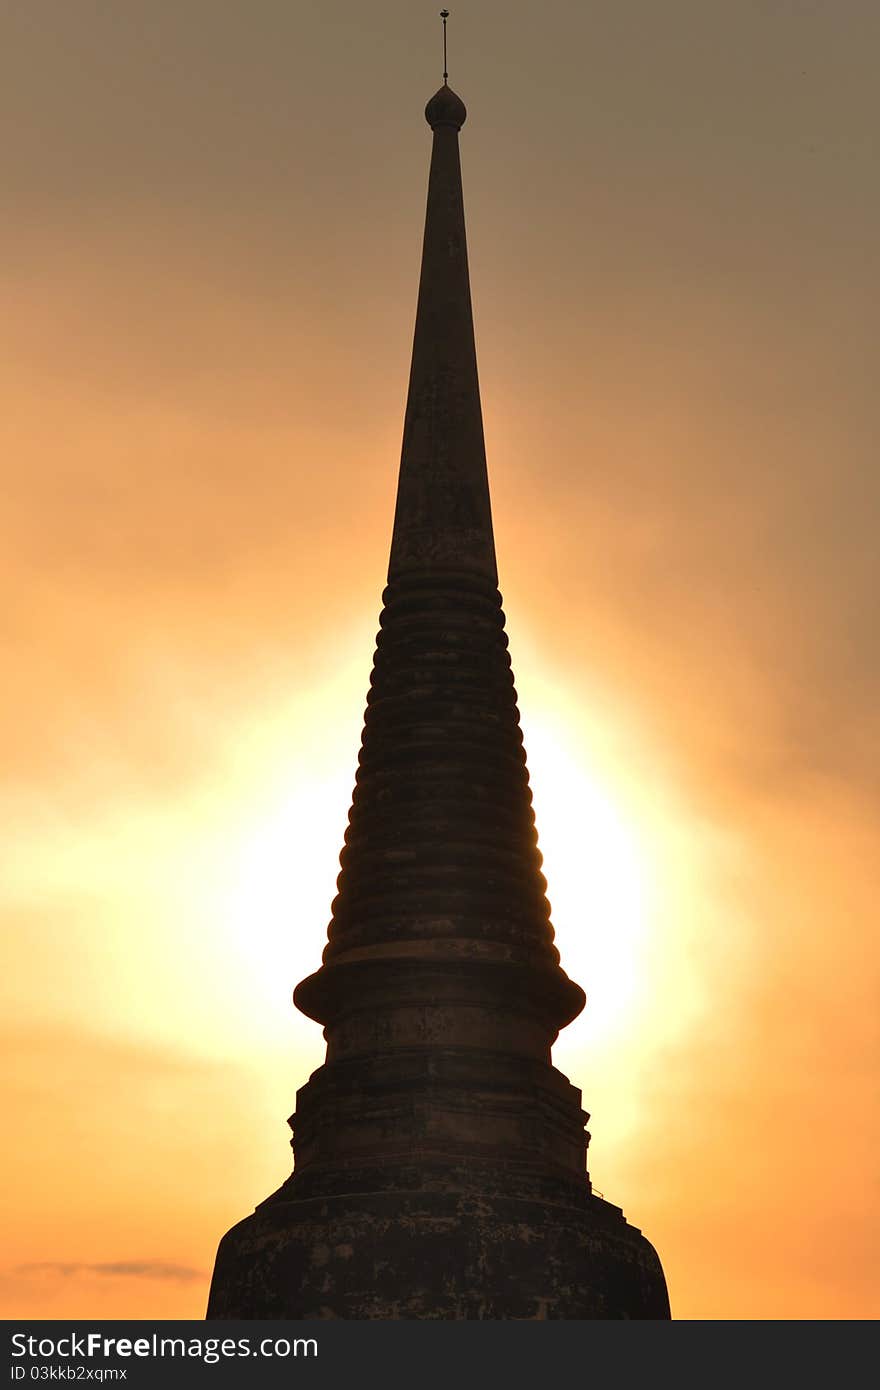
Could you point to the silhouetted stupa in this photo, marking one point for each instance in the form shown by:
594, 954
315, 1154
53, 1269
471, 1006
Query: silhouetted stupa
439, 1157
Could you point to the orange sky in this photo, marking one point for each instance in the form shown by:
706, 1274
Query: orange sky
209, 279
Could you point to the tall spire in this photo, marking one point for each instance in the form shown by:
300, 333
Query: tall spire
443, 518
441, 845
439, 1156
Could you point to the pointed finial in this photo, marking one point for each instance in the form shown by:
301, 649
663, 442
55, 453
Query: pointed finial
445, 108
444, 15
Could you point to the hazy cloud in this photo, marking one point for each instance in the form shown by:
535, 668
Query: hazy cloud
116, 1269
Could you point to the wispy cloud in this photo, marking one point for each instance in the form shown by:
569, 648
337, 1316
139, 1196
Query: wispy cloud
117, 1269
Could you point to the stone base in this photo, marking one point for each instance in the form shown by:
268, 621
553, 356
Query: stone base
436, 1255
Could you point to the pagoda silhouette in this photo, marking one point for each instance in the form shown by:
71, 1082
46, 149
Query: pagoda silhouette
439, 1157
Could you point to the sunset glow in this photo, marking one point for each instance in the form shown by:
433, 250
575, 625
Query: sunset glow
210, 281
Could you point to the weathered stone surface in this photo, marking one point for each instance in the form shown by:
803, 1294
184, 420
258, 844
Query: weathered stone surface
440, 1158
437, 1255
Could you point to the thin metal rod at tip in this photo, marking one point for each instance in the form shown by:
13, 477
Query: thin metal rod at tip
444, 15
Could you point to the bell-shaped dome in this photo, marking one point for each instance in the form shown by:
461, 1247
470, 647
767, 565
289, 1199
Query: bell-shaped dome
446, 108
